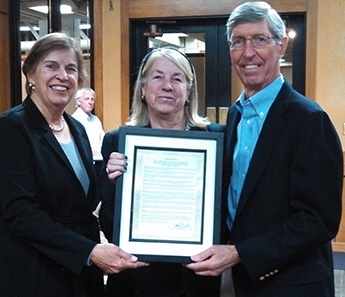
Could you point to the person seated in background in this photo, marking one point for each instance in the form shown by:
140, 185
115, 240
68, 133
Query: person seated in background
165, 97
85, 103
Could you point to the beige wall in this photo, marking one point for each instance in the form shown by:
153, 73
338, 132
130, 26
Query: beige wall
328, 87
164, 8
111, 76
112, 67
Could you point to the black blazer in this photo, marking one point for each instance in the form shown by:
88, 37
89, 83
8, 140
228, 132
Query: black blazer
158, 279
290, 206
47, 229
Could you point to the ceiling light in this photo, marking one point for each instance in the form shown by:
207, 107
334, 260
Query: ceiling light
27, 28
85, 26
24, 28
40, 8
292, 34
64, 9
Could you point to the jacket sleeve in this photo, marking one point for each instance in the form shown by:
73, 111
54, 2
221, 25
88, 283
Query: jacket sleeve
106, 214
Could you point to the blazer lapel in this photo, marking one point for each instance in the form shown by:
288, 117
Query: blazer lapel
42, 125
82, 144
265, 144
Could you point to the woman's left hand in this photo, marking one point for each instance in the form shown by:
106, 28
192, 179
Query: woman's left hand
116, 165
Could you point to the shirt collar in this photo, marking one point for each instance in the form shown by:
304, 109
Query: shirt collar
262, 100
83, 114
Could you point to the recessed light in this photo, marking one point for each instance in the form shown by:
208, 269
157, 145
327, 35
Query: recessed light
64, 9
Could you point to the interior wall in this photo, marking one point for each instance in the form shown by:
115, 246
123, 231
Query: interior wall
163, 8
111, 78
330, 61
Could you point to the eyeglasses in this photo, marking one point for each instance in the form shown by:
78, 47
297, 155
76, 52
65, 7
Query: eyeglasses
257, 41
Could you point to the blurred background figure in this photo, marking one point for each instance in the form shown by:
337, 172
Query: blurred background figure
85, 103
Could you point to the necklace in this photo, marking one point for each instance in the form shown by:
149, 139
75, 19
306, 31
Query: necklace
59, 129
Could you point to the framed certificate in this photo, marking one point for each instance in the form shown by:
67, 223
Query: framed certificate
167, 203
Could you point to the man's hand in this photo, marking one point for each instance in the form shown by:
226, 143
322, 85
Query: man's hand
214, 260
111, 259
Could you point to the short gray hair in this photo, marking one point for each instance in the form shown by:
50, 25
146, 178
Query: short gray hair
81, 92
256, 12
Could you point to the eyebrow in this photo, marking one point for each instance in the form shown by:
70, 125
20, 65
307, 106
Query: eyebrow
162, 72
256, 34
55, 62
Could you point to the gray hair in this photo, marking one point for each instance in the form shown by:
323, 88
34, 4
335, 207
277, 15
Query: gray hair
84, 90
256, 12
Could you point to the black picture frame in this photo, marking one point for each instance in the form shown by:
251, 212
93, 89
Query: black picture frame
168, 202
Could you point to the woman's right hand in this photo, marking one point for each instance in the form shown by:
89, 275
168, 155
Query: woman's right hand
111, 259
117, 165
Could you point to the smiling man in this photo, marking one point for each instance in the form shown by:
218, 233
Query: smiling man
85, 101
283, 173
255, 53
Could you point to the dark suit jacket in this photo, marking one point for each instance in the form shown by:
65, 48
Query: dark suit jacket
158, 279
47, 230
290, 205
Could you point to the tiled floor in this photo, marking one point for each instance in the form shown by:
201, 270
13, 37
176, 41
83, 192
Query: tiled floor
339, 279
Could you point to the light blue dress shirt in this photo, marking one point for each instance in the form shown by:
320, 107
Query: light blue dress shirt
254, 111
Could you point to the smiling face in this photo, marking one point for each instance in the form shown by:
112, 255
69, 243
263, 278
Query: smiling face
256, 68
86, 102
165, 90
55, 79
